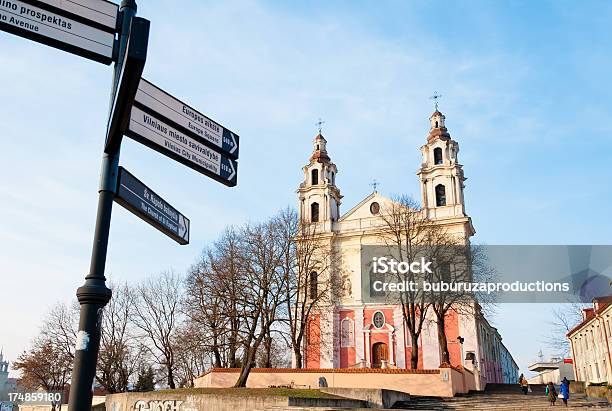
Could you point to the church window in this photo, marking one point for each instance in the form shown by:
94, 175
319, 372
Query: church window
438, 155
378, 319
314, 177
436, 124
347, 335
374, 208
333, 178
313, 284
445, 272
314, 212
440, 195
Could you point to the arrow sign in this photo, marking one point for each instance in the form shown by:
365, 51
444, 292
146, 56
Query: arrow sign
54, 23
152, 99
142, 201
157, 134
131, 70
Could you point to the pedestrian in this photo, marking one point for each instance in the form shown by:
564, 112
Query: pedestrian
551, 393
564, 391
523, 384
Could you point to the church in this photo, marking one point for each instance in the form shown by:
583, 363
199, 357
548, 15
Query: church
352, 333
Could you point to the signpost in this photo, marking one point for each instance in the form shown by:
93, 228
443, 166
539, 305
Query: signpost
139, 110
142, 201
55, 23
156, 133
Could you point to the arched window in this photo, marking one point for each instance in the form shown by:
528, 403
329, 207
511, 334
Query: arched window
347, 334
314, 177
437, 155
313, 283
314, 212
440, 195
436, 124
333, 178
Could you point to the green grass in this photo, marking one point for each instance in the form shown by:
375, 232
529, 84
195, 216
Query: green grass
244, 392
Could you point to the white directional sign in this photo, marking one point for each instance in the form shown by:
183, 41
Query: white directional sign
58, 28
101, 12
151, 97
162, 137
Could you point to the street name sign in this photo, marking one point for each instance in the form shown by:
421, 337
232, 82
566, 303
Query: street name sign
156, 133
82, 27
142, 201
131, 70
151, 98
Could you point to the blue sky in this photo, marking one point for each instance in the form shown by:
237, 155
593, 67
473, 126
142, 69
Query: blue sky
525, 90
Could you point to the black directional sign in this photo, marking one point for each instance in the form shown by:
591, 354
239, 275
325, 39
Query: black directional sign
83, 27
131, 70
142, 201
187, 119
156, 133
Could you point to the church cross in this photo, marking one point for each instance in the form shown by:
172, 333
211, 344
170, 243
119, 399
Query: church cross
319, 124
435, 98
374, 184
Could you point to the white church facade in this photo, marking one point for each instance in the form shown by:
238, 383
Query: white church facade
352, 333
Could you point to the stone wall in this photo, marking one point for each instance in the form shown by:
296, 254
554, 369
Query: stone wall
442, 382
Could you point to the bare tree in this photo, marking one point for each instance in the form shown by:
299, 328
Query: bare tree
213, 295
121, 354
61, 326
46, 365
308, 259
262, 290
408, 235
156, 314
564, 317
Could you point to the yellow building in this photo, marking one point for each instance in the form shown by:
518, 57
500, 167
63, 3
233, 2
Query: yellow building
591, 341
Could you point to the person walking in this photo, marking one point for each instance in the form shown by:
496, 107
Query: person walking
523, 384
551, 393
564, 393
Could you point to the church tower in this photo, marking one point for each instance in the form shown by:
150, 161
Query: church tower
441, 175
319, 198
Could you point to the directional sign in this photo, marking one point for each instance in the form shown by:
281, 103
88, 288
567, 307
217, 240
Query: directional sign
53, 23
131, 70
95, 12
156, 133
142, 201
190, 121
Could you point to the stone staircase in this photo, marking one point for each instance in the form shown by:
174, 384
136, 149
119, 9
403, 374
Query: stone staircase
501, 397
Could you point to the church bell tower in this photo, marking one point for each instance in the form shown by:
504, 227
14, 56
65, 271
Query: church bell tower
319, 198
441, 175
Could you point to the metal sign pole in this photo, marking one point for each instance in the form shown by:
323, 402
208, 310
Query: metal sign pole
94, 294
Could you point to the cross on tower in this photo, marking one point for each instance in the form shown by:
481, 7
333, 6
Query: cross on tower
319, 125
374, 184
435, 98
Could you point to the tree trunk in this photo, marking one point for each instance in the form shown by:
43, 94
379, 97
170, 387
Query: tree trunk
171, 378
246, 369
267, 360
297, 353
442, 340
414, 354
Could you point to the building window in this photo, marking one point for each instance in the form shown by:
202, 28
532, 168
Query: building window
440, 195
437, 155
314, 212
313, 284
445, 272
374, 208
347, 335
333, 178
314, 177
378, 319
436, 124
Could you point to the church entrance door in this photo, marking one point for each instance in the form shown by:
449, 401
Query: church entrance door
379, 354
